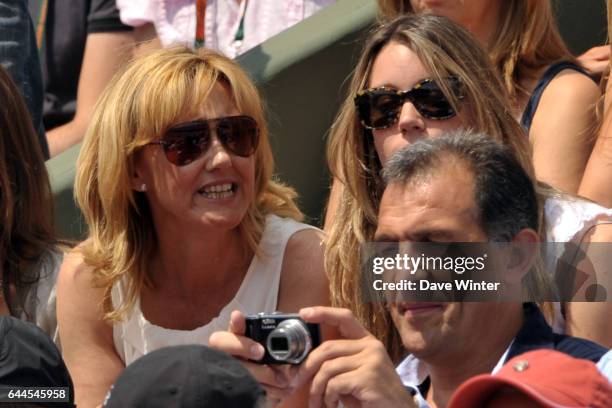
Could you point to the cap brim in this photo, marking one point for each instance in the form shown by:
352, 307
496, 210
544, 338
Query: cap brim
476, 391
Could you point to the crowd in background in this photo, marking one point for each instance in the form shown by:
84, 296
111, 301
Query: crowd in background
464, 121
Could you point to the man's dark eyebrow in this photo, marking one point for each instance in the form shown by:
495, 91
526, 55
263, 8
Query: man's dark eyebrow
418, 237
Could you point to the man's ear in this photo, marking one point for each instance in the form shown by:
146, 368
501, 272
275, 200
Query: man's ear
524, 250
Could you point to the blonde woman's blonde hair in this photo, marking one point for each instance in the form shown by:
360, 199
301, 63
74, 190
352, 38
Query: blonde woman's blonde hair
445, 49
525, 41
140, 103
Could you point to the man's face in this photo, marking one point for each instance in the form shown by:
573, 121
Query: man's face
437, 208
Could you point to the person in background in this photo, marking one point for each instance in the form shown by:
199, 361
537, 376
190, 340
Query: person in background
186, 223
418, 77
30, 254
597, 180
552, 96
595, 60
81, 44
19, 56
231, 27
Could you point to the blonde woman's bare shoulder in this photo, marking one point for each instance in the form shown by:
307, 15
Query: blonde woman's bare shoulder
87, 339
303, 279
303, 245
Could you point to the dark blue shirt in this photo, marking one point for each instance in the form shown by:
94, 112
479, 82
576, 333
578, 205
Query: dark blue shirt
535, 334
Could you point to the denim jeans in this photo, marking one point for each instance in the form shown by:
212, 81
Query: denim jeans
19, 55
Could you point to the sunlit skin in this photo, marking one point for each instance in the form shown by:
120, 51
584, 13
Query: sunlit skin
398, 67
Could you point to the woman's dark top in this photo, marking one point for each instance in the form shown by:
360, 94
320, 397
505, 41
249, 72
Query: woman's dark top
534, 100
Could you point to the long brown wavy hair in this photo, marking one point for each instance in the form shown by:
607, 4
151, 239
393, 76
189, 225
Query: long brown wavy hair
26, 202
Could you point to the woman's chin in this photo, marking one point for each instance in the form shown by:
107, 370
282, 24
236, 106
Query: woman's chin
221, 220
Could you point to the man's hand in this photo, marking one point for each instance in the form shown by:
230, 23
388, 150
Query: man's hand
355, 370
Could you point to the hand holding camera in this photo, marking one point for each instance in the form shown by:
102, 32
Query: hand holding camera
354, 368
287, 338
278, 380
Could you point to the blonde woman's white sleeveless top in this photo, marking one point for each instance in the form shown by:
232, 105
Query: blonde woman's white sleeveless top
135, 336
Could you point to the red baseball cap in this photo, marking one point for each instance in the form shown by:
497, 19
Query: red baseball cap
550, 378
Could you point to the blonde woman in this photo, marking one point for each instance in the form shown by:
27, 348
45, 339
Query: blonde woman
552, 96
30, 254
446, 82
186, 223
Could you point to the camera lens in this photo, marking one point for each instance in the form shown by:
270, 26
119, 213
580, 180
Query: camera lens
289, 342
279, 344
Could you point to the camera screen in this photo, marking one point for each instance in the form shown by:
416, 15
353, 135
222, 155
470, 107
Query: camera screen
279, 344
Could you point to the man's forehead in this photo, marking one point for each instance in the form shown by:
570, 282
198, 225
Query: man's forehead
431, 201
450, 190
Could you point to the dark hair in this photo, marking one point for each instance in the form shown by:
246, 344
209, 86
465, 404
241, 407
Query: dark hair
26, 206
504, 193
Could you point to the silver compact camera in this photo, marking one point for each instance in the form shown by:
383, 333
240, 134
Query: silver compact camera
286, 338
